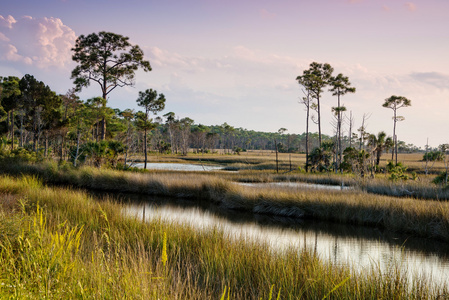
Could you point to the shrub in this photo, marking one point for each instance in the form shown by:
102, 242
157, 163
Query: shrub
441, 178
433, 156
397, 171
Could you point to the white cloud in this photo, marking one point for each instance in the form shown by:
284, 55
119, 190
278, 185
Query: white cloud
42, 42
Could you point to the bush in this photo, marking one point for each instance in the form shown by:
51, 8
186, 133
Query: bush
397, 171
441, 178
19, 154
433, 156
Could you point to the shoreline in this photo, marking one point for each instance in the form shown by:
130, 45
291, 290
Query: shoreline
424, 218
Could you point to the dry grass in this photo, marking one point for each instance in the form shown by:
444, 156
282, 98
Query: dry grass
424, 218
64, 245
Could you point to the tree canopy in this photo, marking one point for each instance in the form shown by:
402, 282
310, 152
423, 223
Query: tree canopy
107, 59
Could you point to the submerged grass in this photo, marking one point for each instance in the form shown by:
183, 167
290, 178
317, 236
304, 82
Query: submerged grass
59, 243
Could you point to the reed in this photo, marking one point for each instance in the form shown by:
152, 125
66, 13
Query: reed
429, 218
66, 245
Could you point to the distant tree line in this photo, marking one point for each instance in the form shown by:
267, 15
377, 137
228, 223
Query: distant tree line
337, 154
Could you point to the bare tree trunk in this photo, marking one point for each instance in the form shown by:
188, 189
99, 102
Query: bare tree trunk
21, 130
35, 133
351, 120
46, 144
77, 148
61, 153
127, 144
145, 149
277, 161
307, 131
394, 138
396, 147
8, 120
12, 129
427, 158
319, 120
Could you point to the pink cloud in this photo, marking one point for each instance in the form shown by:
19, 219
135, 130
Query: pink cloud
410, 6
385, 8
266, 15
7, 22
41, 42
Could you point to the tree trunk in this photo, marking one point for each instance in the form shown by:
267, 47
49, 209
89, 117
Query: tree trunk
46, 145
8, 126
350, 129
145, 148
21, 131
396, 148
378, 155
77, 148
127, 144
61, 154
103, 129
319, 121
394, 138
339, 148
307, 135
12, 129
35, 129
277, 161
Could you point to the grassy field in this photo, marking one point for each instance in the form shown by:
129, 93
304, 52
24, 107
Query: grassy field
265, 159
56, 243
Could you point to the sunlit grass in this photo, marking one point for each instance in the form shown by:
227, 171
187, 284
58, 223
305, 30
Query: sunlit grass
428, 218
59, 243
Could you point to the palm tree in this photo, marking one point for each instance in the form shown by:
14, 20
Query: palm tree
380, 143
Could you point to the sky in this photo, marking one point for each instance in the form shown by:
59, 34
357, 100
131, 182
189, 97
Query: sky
236, 61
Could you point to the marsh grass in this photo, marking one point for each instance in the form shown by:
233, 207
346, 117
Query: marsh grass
429, 218
61, 243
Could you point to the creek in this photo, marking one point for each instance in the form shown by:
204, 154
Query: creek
179, 167
361, 248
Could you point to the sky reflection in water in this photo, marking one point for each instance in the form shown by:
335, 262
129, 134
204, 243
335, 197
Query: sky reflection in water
359, 247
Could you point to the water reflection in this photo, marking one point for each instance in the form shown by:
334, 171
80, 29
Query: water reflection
178, 167
358, 246
298, 185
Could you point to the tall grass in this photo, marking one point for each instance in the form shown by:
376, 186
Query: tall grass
59, 243
423, 218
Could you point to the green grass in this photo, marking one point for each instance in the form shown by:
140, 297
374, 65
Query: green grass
61, 244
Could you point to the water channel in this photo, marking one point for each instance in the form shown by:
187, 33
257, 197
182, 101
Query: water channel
179, 167
359, 247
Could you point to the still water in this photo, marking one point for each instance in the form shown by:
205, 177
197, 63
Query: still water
300, 185
359, 247
178, 167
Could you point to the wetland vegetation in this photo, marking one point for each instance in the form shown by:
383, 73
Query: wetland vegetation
56, 241
59, 243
